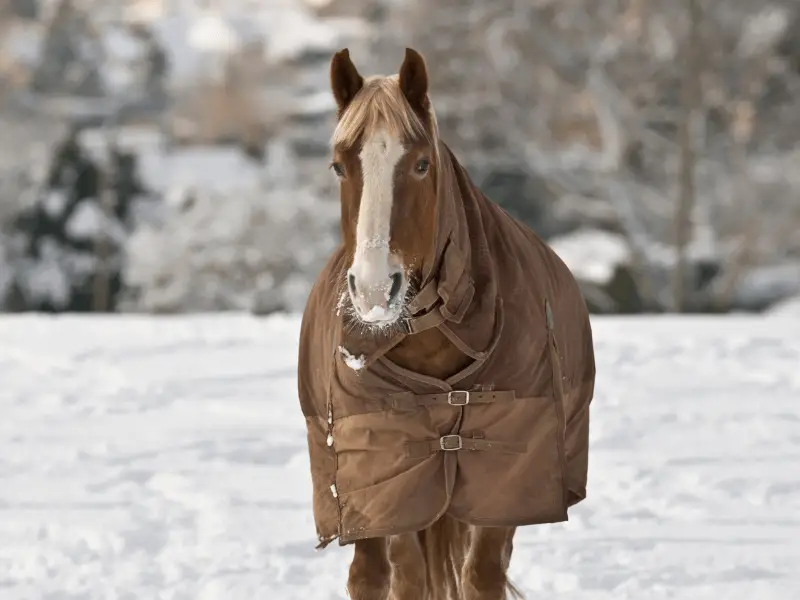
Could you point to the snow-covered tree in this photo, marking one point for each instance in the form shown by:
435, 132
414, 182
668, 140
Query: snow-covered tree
255, 247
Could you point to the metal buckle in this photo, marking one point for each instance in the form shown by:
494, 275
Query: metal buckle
444, 442
405, 326
452, 401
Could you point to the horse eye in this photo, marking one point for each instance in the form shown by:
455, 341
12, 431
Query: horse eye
338, 168
422, 166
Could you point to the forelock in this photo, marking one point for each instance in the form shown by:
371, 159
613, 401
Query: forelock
380, 104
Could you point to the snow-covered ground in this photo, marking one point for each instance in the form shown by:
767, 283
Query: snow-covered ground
152, 458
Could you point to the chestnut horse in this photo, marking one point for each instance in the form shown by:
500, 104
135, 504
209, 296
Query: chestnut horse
385, 150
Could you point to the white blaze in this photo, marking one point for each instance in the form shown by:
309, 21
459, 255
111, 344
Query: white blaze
372, 264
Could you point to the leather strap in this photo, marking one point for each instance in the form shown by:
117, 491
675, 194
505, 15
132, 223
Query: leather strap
425, 298
460, 443
438, 303
429, 320
406, 400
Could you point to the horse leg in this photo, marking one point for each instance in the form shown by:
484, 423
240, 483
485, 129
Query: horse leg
484, 573
408, 568
369, 570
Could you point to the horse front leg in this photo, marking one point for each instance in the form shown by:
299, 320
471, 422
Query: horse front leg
484, 573
369, 575
407, 559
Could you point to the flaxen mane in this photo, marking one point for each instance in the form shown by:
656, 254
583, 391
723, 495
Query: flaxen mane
380, 104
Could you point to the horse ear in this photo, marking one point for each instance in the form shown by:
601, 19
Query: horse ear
414, 80
345, 79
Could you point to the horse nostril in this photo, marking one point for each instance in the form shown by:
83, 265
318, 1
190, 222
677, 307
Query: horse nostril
397, 283
351, 283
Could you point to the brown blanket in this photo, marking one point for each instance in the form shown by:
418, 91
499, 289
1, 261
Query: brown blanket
391, 451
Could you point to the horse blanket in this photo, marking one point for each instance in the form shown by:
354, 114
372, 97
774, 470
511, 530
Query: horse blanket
502, 443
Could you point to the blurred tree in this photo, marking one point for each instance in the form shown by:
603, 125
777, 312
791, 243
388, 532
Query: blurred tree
587, 96
68, 63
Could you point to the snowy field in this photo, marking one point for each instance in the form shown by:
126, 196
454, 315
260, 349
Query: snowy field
164, 458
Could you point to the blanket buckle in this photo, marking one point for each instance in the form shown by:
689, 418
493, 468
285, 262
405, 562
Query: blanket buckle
458, 398
446, 445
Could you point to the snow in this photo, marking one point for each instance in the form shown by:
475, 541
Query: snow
354, 362
86, 222
54, 203
22, 42
46, 278
220, 252
288, 29
315, 103
292, 32
165, 457
377, 315
767, 285
123, 55
340, 303
211, 33
592, 254
787, 308
763, 30
219, 169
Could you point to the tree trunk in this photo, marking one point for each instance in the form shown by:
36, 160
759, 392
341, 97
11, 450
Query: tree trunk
686, 196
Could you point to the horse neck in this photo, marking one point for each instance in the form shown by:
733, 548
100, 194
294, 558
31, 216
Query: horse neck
429, 353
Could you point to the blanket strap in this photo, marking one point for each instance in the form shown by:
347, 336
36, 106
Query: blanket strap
407, 400
425, 302
454, 443
428, 320
434, 303
425, 298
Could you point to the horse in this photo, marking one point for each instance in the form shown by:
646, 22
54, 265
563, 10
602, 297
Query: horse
446, 363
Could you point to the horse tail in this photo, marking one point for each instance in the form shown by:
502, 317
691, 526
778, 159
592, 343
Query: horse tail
444, 545
513, 591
